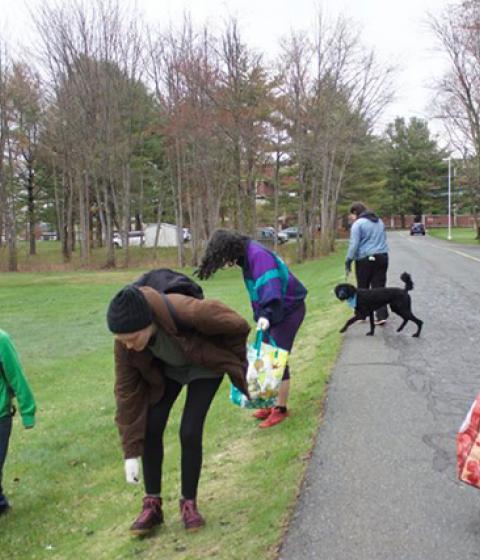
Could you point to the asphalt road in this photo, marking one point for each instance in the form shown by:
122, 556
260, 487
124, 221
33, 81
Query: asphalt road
381, 484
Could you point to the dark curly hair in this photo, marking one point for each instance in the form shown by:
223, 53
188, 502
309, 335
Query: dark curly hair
225, 247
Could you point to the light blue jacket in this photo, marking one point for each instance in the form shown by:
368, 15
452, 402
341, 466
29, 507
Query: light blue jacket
367, 238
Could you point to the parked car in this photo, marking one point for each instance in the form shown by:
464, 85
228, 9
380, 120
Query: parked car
417, 228
265, 234
135, 238
268, 234
293, 232
281, 237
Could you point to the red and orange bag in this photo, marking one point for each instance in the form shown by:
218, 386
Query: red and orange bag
468, 447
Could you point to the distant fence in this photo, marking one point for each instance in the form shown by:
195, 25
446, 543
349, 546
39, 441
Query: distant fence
430, 221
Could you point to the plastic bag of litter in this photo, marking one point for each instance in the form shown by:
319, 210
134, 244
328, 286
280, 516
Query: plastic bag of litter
266, 364
468, 446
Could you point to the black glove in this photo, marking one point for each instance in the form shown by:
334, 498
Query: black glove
348, 266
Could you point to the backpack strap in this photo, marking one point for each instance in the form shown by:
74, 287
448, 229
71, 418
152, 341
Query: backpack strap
181, 325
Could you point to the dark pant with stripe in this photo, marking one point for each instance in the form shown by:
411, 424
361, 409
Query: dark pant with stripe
200, 394
5, 431
373, 274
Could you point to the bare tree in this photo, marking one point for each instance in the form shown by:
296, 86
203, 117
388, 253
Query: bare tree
218, 113
94, 56
3, 138
26, 106
335, 89
245, 97
458, 91
8, 162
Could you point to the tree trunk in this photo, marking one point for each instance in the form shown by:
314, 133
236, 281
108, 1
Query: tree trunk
301, 216
179, 207
82, 216
126, 212
275, 199
67, 239
58, 205
110, 260
252, 194
239, 221
159, 224
31, 210
101, 222
12, 238
140, 212
3, 199
313, 215
476, 222
12, 220
2, 210
324, 207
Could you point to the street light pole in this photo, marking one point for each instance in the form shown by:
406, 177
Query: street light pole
449, 237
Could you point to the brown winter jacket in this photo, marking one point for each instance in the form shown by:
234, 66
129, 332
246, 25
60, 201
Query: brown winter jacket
217, 341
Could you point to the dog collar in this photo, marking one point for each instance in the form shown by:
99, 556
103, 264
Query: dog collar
352, 301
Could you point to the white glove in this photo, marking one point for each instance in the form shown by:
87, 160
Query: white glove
263, 324
132, 470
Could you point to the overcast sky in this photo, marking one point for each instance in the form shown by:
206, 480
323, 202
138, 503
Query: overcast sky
395, 28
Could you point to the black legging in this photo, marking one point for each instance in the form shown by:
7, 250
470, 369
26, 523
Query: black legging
373, 274
200, 394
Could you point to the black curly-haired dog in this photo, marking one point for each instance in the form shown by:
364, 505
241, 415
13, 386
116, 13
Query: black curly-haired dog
365, 302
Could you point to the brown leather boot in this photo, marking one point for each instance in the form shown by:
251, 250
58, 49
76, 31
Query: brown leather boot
149, 518
192, 520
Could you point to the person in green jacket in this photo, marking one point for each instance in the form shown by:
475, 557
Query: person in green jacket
13, 383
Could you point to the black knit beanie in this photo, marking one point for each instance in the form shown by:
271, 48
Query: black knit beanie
129, 311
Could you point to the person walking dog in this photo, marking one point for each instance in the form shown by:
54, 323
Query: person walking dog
13, 383
162, 343
276, 296
368, 248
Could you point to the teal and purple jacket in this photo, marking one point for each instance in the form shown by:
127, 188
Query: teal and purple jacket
274, 291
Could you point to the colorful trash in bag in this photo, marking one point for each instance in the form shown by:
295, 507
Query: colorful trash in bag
266, 364
468, 447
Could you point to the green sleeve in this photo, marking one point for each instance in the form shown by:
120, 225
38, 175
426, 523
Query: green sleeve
16, 379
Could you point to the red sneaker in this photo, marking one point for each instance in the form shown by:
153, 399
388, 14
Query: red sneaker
275, 417
262, 413
150, 517
192, 520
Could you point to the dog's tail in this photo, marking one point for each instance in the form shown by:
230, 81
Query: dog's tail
405, 277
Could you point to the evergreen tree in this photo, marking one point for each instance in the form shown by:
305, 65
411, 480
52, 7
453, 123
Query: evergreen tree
415, 168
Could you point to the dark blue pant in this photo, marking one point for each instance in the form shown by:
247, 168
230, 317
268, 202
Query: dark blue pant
5, 430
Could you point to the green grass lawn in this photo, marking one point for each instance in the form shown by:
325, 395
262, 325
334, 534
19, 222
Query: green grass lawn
459, 235
65, 478
49, 257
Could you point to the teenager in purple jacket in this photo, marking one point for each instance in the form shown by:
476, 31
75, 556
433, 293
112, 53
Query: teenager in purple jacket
277, 298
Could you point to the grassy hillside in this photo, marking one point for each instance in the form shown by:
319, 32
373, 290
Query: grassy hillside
65, 477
